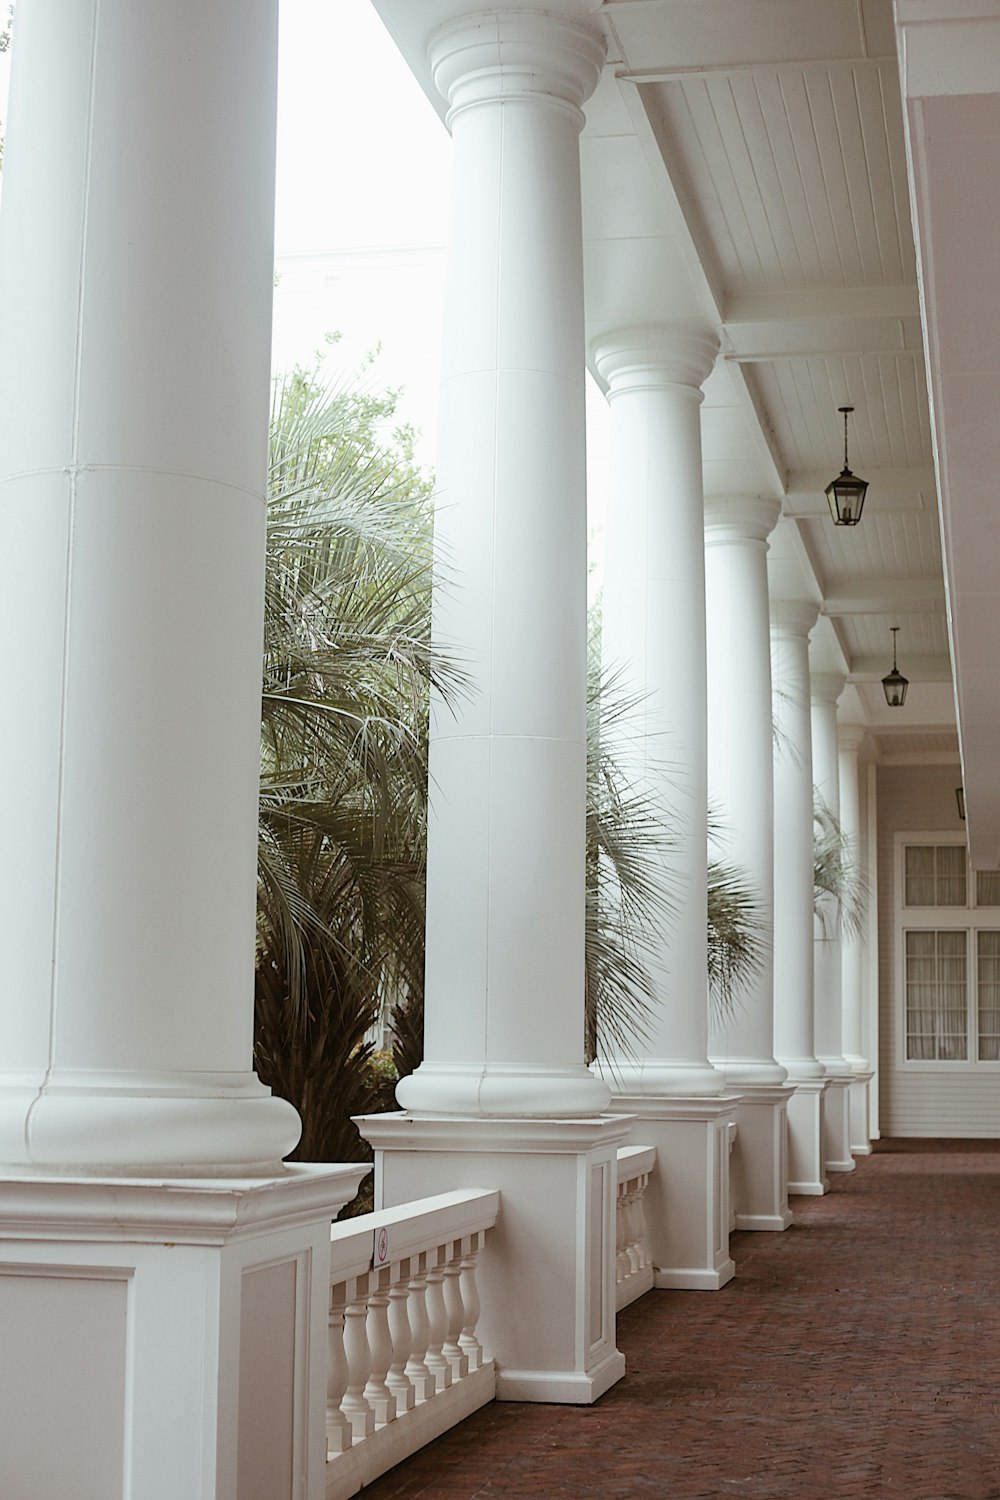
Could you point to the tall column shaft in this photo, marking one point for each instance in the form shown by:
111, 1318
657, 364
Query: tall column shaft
794, 971
829, 987
653, 642
136, 254
851, 942
741, 759
504, 1031
794, 959
853, 947
826, 688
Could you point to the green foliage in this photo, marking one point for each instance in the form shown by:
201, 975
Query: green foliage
348, 668
347, 671
626, 906
840, 896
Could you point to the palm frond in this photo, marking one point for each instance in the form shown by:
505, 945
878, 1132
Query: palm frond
840, 893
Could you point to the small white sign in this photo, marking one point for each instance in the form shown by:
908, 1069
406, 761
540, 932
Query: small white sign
380, 1254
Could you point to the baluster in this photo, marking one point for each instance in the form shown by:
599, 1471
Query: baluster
634, 1256
467, 1339
621, 1250
416, 1370
354, 1406
338, 1428
402, 1339
640, 1222
455, 1314
437, 1322
377, 1393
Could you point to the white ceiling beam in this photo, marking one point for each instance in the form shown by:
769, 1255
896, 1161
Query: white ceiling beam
665, 39
908, 596
810, 305
901, 480
811, 324
761, 343
914, 668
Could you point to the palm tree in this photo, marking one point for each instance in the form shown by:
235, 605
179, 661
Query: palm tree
347, 668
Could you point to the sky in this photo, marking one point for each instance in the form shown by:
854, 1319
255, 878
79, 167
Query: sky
361, 214
364, 164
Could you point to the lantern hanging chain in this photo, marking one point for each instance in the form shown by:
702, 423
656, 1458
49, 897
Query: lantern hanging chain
895, 631
846, 410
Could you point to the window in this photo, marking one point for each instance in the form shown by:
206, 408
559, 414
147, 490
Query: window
949, 923
936, 997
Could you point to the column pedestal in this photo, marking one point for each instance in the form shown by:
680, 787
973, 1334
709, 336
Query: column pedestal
837, 1124
759, 1164
686, 1203
166, 1338
547, 1273
860, 1127
805, 1137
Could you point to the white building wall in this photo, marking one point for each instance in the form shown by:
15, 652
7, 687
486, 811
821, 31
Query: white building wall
953, 1100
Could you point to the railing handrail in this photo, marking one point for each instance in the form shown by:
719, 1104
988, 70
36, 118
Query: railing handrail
634, 1160
413, 1228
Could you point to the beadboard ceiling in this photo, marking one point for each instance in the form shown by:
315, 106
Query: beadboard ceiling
816, 181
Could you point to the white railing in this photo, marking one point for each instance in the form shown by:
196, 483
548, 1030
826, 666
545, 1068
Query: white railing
633, 1262
405, 1361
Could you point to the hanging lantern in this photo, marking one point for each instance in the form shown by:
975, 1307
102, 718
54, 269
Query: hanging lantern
846, 493
894, 683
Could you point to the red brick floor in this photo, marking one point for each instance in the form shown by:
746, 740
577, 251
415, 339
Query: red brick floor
857, 1354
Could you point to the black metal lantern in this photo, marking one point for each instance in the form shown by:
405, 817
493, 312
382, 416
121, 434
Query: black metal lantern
960, 799
894, 683
846, 493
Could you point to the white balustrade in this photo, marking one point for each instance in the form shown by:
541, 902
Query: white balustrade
633, 1262
405, 1362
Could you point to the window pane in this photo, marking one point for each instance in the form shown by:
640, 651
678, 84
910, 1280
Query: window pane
950, 862
988, 887
988, 985
936, 995
919, 873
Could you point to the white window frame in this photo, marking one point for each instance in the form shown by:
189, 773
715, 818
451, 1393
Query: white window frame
939, 919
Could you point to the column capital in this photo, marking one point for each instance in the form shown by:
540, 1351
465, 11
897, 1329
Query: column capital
514, 54
739, 518
657, 356
850, 737
826, 687
793, 617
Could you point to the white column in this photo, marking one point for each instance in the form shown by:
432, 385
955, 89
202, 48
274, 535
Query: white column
653, 641
741, 758
504, 1028
164, 1323
500, 1096
794, 967
826, 688
740, 790
852, 941
135, 272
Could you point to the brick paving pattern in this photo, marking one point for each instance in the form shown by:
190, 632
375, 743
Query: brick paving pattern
855, 1355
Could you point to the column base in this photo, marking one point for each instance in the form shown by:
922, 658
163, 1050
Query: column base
760, 1159
547, 1273
657, 1079
498, 1092
860, 1136
103, 1124
167, 1337
558, 1388
805, 1137
686, 1203
837, 1125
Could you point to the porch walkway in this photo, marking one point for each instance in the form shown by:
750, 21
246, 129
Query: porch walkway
856, 1355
